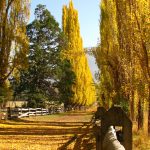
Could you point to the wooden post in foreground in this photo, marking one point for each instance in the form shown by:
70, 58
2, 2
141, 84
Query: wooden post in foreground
115, 116
98, 115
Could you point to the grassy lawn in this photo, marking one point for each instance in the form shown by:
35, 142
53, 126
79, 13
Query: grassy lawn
68, 131
62, 131
64, 117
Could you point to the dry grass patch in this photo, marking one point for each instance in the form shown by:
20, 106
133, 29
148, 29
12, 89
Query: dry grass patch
63, 132
141, 141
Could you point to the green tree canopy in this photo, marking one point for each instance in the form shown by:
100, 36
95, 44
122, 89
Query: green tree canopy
46, 41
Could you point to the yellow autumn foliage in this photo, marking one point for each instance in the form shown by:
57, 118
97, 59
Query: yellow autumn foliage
84, 89
14, 15
123, 57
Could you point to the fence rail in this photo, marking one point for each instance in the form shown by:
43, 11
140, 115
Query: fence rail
9, 113
26, 112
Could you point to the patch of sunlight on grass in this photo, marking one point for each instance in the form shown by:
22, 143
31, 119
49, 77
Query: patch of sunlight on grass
45, 132
30, 126
64, 117
141, 141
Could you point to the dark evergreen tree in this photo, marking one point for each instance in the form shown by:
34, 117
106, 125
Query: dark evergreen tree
40, 81
68, 78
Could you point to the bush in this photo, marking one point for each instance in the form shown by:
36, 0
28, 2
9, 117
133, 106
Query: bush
32, 103
5, 95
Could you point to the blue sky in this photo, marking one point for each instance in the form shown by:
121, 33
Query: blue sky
89, 14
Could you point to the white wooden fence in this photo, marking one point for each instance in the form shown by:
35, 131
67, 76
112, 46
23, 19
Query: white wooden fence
26, 112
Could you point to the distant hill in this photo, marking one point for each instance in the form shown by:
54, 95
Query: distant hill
91, 60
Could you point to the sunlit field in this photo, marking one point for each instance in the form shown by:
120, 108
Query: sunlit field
68, 131
62, 131
57, 55
140, 140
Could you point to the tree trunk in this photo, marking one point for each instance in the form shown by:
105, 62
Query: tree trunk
149, 113
132, 115
140, 115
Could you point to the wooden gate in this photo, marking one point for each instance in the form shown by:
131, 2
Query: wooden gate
116, 117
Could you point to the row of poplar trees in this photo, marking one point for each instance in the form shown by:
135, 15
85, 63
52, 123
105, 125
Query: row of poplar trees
38, 59
123, 58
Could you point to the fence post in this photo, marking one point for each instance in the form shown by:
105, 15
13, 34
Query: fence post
9, 112
115, 116
21, 111
98, 115
35, 111
41, 112
28, 112
98, 138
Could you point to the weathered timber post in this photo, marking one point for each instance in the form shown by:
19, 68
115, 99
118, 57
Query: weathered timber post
21, 112
100, 112
97, 128
28, 112
115, 116
9, 113
41, 112
36, 111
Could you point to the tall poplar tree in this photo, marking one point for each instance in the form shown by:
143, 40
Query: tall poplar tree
84, 90
123, 55
14, 15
